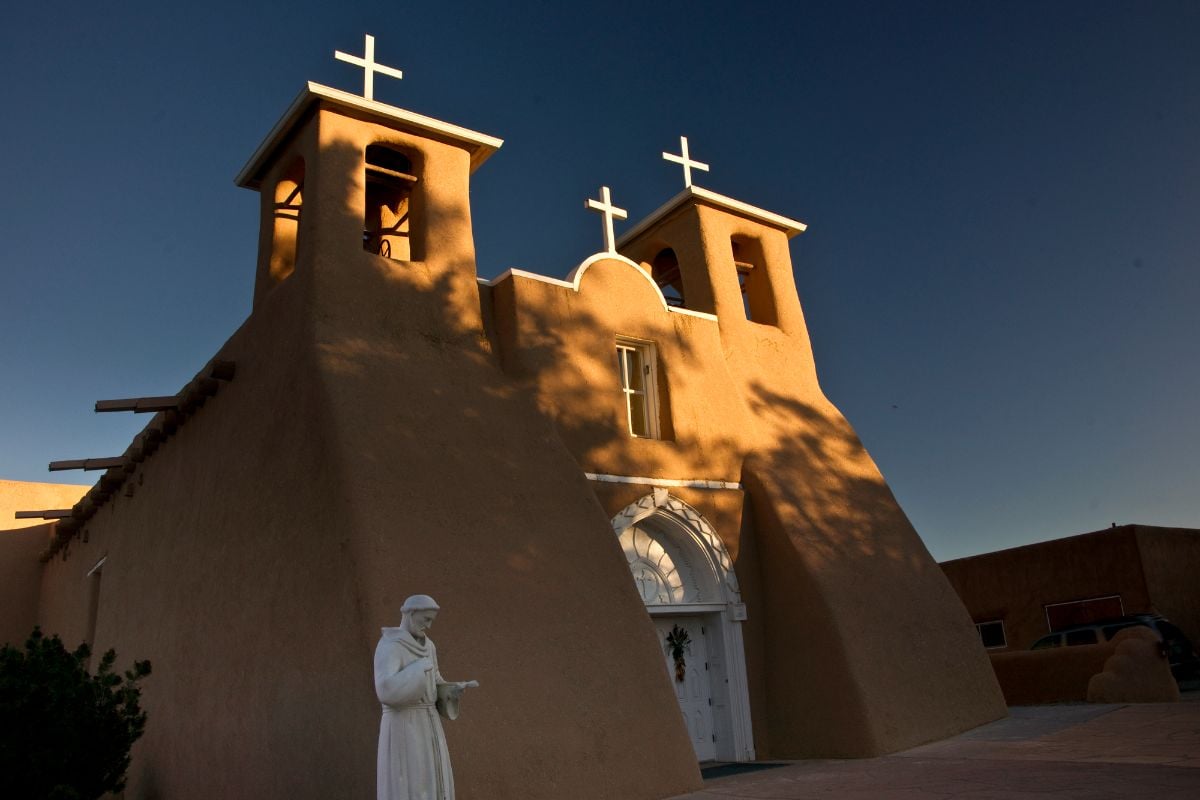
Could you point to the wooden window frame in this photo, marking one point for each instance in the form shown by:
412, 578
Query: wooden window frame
647, 397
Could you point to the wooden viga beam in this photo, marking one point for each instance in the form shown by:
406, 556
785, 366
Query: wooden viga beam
213, 371
87, 463
49, 513
139, 405
220, 370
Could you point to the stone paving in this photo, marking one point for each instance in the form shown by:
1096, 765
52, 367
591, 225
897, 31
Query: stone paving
1082, 752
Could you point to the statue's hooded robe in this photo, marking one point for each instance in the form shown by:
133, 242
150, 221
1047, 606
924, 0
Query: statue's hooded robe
413, 763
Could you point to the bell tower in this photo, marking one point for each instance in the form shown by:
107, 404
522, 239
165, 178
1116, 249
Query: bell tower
711, 253
352, 187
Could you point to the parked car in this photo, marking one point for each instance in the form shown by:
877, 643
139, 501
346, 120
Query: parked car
1185, 664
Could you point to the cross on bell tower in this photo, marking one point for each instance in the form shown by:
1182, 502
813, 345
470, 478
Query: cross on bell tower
367, 62
687, 163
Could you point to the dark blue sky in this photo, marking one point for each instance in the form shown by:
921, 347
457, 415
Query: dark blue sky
1000, 274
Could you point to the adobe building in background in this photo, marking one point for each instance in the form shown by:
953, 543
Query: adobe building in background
1018, 595
576, 469
22, 542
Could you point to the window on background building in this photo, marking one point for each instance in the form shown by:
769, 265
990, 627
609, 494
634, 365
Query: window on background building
992, 634
387, 216
636, 365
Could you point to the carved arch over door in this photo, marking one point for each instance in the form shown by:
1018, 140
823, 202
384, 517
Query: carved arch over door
662, 503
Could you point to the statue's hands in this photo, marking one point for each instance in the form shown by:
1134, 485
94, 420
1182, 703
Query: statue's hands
458, 687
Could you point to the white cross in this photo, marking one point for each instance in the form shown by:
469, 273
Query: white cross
367, 62
604, 206
687, 163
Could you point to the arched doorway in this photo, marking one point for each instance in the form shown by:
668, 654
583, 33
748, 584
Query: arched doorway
685, 577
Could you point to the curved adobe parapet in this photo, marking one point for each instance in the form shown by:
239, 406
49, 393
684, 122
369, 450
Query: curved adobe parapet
575, 278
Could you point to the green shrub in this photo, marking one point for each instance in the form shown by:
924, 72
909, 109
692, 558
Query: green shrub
65, 733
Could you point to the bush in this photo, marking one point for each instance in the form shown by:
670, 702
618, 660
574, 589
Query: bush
65, 734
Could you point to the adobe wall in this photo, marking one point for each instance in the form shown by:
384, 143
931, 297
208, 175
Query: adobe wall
20, 580
455, 483
370, 448
865, 648
22, 542
228, 569
1171, 563
33, 496
1016, 584
1057, 675
1131, 668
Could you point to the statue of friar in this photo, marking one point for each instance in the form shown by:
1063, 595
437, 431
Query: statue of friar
413, 761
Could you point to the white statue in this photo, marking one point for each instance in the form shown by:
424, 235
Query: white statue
414, 763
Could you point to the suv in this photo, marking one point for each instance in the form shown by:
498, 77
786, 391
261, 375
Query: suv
1185, 665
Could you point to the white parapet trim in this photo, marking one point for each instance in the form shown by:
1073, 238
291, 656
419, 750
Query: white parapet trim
667, 483
479, 145
577, 275
791, 227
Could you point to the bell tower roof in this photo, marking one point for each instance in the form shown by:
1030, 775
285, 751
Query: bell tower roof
480, 145
694, 195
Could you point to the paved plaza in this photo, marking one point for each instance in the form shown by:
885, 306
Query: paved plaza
1092, 752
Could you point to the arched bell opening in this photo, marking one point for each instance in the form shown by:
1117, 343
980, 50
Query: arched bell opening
389, 204
665, 272
285, 223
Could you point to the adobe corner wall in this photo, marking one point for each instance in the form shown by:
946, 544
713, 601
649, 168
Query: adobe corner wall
21, 544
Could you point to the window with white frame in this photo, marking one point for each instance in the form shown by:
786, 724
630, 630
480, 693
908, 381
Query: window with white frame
636, 364
991, 633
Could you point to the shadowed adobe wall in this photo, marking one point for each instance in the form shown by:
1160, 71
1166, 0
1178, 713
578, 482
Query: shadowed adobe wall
1171, 563
456, 485
370, 448
1131, 668
22, 542
1058, 675
858, 642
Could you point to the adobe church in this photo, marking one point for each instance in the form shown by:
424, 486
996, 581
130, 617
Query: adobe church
654, 541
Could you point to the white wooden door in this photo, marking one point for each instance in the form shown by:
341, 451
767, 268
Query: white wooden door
694, 692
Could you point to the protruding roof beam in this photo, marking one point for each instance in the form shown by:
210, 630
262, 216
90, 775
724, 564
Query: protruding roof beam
49, 513
139, 405
204, 383
87, 463
170, 412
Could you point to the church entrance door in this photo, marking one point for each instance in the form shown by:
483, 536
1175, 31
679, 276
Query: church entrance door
694, 691
685, 578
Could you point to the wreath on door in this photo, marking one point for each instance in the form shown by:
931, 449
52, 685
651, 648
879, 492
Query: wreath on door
679, 643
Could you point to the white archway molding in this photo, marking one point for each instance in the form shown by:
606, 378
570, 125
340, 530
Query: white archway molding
662, 503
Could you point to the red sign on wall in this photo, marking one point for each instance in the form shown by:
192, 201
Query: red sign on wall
1083, 612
